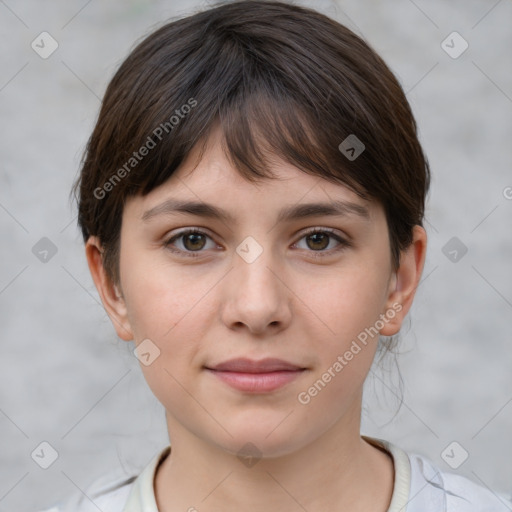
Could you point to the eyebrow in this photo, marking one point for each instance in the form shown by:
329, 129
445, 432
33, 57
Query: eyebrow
337, 208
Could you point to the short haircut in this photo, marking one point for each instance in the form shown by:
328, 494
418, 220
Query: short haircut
278, 80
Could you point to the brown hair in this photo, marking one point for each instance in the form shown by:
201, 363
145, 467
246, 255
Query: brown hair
278, 79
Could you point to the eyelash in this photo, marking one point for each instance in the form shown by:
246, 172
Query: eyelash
316, 254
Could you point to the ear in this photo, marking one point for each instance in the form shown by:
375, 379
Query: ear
112, 299
405, 281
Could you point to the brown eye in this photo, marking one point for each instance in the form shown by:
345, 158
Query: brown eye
319, 241
193, 241
189, 242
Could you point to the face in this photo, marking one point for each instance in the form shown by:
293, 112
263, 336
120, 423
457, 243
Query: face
308, 293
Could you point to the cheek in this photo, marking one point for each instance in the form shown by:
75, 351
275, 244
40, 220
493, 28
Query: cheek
345, 357
346, 303
171, 308
347, 307
160, 297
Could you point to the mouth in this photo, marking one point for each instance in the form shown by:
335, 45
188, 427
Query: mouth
256, 376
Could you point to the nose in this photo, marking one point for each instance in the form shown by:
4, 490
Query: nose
255, 296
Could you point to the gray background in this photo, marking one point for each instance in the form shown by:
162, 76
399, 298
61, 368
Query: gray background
64, 376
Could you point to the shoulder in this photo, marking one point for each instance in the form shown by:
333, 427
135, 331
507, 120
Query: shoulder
117, 492
449, 491
420, 486
107, 493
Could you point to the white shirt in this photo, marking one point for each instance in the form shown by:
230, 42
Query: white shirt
418, 487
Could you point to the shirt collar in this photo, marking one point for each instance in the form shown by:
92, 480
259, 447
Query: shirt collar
142, 493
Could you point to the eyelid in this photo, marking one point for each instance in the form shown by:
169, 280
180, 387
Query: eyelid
316, 229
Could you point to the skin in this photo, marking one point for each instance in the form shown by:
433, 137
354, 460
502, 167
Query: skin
286, 304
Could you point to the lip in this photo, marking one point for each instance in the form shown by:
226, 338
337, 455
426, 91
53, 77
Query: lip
244, 365
253, 376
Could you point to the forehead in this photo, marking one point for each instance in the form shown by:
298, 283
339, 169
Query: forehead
211, 179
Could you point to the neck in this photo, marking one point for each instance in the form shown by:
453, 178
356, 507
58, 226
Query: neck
339, 467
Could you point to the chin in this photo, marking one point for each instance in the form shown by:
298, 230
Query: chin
269, 437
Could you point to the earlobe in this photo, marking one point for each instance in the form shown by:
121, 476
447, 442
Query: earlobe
112, 299
404, 283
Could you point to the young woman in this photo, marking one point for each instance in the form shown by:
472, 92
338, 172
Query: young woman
251, 200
